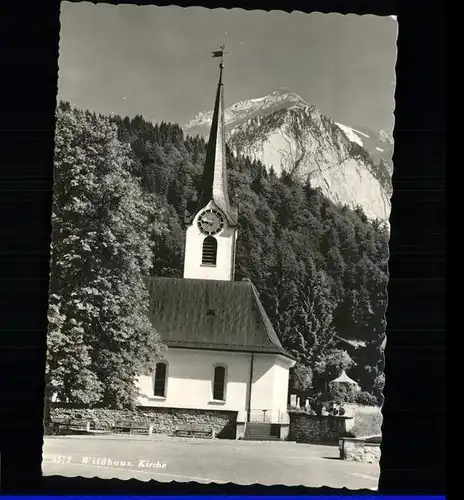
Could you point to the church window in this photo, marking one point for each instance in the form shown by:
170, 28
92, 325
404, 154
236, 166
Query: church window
209, 253
219, 383
160, 379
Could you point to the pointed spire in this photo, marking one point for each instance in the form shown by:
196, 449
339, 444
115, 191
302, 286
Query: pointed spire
215, 185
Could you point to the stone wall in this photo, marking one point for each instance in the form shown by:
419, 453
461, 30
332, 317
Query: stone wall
164, 420
360, 451
307, 428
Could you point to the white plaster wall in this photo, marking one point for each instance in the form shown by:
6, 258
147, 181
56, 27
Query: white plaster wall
270, 385
190, 382
281, 376
262, 396
223, 271
190, 379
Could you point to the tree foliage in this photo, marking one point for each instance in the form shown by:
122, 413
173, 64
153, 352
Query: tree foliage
366, 399
332, 363
104, 228
301, 378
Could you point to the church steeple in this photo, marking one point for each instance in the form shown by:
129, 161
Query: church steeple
212, 233
214, 184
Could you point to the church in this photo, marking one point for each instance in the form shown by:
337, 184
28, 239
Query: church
222, 351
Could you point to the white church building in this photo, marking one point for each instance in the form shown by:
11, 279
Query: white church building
222, 351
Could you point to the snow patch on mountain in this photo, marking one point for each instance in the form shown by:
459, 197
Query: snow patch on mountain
351, 134
243, 110
385, 137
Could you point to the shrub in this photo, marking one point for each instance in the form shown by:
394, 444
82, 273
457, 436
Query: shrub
332, 363
366, 399
301, 378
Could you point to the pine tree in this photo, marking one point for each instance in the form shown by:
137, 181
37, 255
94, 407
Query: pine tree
318, 308
100, 336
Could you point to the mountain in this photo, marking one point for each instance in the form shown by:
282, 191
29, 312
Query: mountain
351, 165
242, 111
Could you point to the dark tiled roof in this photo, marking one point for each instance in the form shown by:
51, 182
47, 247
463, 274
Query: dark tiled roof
208, 314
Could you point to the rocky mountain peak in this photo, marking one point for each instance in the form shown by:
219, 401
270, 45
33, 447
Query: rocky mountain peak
350, 165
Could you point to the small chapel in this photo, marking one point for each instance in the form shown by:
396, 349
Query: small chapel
223, 354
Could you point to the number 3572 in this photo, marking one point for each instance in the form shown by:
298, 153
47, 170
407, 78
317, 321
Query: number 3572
61, 459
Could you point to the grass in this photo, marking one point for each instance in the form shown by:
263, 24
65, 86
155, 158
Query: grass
367, 422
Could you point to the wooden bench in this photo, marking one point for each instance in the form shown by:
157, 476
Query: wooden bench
70, 424
59, 424
79, 425
143, 428
200, 432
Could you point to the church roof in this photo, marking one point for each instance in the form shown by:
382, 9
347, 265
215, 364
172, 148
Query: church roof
208, 314
215, 185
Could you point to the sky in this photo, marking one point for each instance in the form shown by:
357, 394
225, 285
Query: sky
157, 61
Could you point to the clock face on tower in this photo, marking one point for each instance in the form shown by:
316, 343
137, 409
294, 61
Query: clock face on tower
210, 222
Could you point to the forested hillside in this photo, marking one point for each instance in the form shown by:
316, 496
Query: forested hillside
320, 269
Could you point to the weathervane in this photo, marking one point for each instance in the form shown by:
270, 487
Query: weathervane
221, 54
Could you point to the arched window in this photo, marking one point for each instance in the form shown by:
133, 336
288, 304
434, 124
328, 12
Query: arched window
160, 379
219, 383
209, 253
